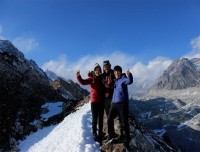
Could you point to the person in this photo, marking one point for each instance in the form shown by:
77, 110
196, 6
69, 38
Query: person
119, 106
97, 105
108, 82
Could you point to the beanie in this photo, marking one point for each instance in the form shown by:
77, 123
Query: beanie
106, 62
97, 65
117, 68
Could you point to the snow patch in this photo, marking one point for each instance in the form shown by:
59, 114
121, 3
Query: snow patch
54, 108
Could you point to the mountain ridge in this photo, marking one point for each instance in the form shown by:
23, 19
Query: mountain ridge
181, 74
24, 88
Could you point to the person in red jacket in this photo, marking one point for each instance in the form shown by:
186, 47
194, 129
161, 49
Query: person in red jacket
96, 98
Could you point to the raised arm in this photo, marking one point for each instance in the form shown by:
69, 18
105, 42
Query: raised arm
83, 81
129, 79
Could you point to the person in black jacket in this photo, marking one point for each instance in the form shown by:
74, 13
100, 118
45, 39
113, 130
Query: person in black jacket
108, 82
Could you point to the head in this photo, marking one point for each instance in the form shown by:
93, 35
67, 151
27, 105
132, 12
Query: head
106, 66
97, 69
117, 71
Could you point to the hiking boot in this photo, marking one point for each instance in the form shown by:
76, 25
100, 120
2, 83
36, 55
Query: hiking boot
111, 136
101, 135
128, 149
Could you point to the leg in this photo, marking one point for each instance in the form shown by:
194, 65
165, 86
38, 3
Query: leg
94, 117
123, 114
107, 104
100, 116
112, 115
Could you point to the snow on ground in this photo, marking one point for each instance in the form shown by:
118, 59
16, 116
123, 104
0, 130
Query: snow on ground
54, 108
73, 134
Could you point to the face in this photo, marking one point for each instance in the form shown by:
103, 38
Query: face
106, 68
97, 71
117, 74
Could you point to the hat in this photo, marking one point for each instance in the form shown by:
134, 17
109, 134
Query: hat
117, 68
106, 62
97, 65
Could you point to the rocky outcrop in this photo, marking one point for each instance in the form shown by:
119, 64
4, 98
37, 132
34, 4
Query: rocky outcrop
182, 73
142, 139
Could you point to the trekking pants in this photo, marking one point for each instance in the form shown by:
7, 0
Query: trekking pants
107, 105
97, 116
121, 110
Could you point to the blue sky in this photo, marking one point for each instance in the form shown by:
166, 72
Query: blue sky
71, 32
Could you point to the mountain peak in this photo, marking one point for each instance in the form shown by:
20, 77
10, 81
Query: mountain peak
181, 74
7, 47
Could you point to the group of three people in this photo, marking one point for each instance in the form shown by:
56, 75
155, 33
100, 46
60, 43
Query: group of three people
108, 90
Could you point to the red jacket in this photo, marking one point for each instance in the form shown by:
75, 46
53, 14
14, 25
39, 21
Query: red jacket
108, 81
96, 87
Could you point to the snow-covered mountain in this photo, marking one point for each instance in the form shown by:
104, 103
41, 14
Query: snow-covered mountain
24, 88
51, 75
68, 88
181, 74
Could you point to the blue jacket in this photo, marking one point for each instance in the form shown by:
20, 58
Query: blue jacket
120, 93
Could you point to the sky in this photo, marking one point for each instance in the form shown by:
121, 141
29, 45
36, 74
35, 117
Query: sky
67, 35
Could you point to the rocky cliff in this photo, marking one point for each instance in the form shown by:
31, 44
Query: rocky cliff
24, 88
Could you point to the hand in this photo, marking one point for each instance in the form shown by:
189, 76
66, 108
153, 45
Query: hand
78, 73
89, 74
128, 72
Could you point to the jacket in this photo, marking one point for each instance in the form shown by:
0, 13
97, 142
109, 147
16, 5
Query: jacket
96, 87
108, 81
120, 93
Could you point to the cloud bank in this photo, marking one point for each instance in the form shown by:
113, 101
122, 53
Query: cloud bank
195, 44
144, 74
63, 67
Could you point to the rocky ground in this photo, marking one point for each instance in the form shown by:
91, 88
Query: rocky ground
142, 139
172, 119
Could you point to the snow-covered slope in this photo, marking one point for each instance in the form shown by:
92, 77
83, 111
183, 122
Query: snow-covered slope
73, 134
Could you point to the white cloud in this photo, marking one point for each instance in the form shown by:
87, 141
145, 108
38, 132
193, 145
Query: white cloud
63, 68
142, 73
25, 45
196, 43
150, 72
195, 53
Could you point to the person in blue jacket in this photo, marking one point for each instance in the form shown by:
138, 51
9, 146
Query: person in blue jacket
119, 105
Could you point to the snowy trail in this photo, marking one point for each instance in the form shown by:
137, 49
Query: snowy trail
73, 134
